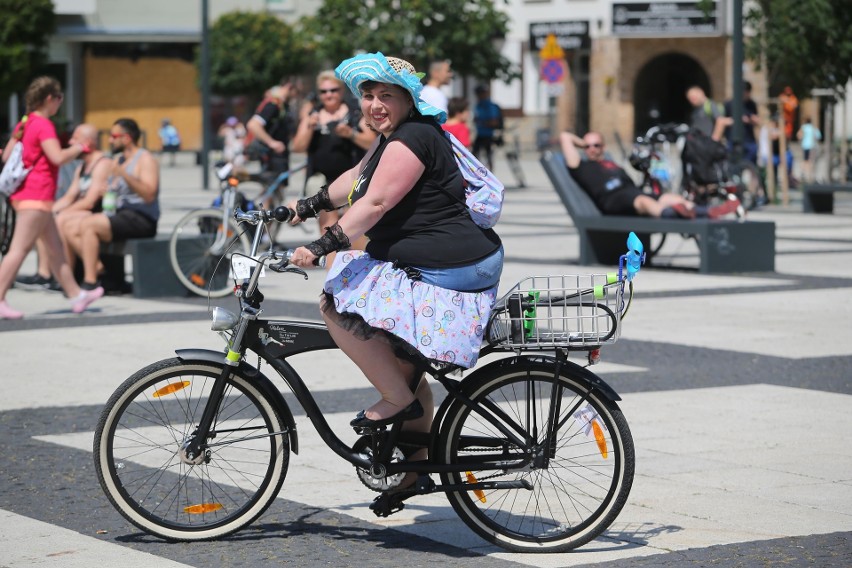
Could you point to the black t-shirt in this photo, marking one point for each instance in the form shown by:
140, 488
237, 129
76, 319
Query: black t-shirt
428, 227
749, 109
606, 183
331, 155
277, 125
276, 122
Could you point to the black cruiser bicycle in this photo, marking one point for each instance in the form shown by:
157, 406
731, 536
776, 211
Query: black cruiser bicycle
531, 450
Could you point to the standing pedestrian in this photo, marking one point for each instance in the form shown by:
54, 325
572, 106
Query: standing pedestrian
488, 120
33, 200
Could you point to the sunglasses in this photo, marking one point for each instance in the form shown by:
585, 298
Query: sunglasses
594, 145
326, 91
119, 135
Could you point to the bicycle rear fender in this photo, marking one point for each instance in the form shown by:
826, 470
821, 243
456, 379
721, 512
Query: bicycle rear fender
258, 379
595, 382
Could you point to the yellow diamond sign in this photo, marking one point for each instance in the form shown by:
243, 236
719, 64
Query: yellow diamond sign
551, 49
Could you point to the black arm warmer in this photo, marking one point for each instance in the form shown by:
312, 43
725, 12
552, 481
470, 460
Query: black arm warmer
309, 207
334, 239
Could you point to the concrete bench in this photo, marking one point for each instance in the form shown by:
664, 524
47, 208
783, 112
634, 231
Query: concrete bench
819, 197
152, 272
724, 245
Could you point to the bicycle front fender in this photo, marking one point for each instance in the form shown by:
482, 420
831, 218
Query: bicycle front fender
259, 380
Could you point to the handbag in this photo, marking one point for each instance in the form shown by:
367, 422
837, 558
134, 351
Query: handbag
483, 191
14, 172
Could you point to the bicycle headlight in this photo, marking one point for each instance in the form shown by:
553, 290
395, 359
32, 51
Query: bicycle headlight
223, 319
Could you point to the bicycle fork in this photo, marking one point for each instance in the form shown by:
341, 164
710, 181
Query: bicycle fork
193, 451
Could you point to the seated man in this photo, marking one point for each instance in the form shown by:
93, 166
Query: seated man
135, 180
83, 198
614, 192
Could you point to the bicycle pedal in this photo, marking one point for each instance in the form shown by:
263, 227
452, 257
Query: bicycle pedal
386, 505
369, 430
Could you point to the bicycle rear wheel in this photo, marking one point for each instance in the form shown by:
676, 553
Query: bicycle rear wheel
579, 483
749, 185
140, 466
200, 251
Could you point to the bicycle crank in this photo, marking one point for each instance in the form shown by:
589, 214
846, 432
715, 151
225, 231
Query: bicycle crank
375, 477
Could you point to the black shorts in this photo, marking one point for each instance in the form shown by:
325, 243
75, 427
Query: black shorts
620, 202
131, 224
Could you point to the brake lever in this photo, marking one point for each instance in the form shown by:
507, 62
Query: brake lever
283, 267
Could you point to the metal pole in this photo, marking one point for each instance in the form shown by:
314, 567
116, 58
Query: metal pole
205, 98
737, 75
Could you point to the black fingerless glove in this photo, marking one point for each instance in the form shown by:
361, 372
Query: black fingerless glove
309, 207
334, 239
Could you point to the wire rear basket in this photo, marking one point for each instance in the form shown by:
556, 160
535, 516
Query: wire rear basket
578, 311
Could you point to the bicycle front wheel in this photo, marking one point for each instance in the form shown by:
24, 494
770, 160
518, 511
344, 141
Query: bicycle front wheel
153, 484
580, 479
200, 251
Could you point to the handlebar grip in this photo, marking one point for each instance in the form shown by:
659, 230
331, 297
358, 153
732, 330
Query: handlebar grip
319, 261
283, 214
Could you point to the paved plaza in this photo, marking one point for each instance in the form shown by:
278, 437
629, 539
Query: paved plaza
737, 389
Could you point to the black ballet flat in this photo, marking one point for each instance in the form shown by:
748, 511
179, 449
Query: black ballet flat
410, 412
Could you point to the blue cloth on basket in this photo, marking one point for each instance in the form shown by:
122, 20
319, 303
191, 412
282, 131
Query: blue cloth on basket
443, 325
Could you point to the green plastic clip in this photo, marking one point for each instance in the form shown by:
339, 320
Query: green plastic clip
530, 313
600, 289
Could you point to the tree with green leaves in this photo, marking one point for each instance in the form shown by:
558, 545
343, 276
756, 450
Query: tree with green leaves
25, 27
419, 31
804, 44
251, 51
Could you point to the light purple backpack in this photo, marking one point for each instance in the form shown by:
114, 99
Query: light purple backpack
483, 191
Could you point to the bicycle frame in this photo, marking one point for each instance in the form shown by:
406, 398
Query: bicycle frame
276, 340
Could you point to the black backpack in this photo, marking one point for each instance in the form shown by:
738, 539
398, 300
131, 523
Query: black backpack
7, 223
701, 156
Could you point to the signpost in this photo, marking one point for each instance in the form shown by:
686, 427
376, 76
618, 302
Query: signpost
552, 67
552, 71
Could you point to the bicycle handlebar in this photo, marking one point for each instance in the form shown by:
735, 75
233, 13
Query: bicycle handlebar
281, 214
668, 131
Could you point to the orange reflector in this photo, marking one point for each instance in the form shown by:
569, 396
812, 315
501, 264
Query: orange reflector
203, 508
196, 279
171, 389
233, 182
599, 438
478, 492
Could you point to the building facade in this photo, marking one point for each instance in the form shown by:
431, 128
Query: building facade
626, 64
120, 58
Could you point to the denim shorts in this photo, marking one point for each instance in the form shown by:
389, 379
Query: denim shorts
481, 275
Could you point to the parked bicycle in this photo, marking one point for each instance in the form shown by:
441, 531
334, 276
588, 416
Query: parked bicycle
656, 155
532, 450
205, 238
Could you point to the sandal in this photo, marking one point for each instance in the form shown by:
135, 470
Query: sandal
410, 412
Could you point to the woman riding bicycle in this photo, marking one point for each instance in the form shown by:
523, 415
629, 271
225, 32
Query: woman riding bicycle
426, 285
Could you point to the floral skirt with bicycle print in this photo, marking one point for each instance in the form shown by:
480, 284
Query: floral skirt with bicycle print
442, 325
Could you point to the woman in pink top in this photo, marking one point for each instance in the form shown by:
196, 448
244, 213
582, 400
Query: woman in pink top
33, 200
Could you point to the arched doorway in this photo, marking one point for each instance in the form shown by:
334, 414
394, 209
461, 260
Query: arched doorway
659, 93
